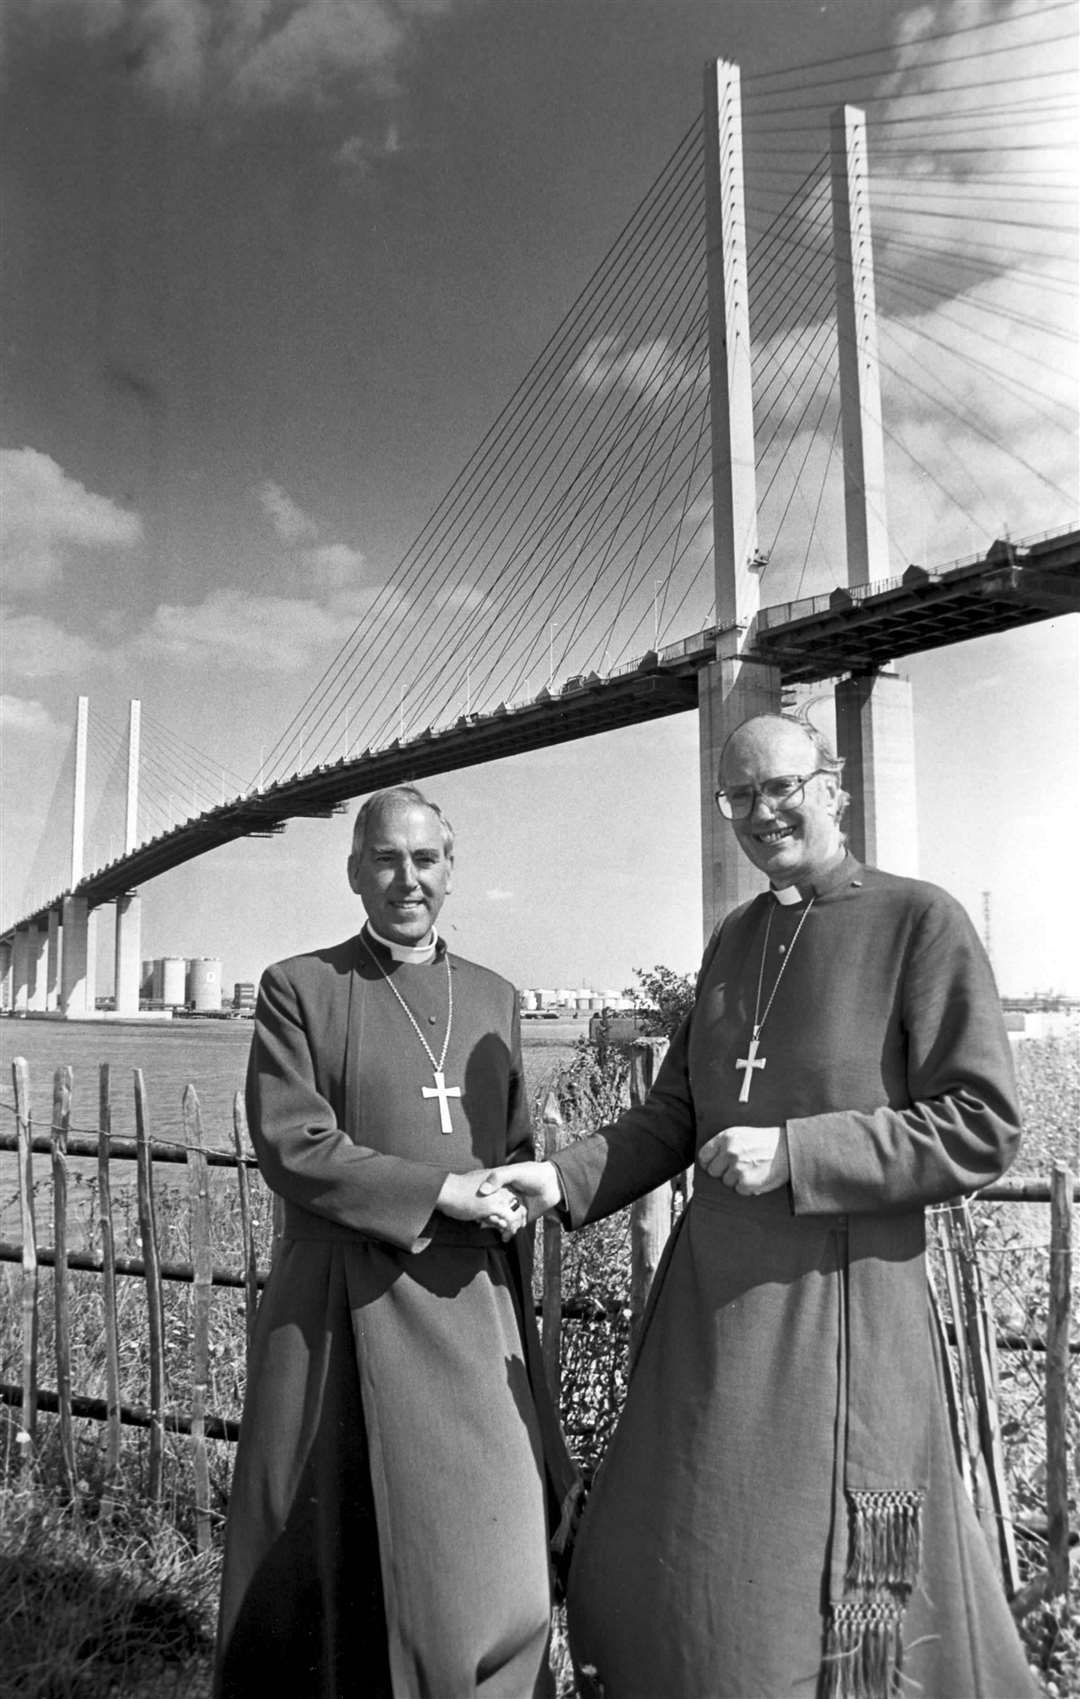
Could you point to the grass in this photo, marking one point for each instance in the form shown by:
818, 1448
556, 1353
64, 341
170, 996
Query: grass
97, 1606
104, 1596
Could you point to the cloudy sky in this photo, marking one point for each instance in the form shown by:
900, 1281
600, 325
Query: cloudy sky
270, 273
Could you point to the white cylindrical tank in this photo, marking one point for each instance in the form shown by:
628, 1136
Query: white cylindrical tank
170, 974
529, 1000
204, 984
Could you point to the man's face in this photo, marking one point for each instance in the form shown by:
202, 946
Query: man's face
792, 842
402, 874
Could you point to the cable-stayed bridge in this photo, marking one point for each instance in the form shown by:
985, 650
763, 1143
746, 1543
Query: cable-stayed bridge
639, 486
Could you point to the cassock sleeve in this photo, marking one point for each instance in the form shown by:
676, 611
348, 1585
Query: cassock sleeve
961, 1126
304, 1155
644, 1147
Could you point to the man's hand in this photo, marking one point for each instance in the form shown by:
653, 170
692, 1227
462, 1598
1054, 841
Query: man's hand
473, 1197
536, 1183
750, 1160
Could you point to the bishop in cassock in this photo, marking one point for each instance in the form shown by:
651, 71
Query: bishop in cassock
400, 1468
780, 1510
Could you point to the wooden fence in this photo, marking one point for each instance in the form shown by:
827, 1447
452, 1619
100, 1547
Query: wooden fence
963, 1313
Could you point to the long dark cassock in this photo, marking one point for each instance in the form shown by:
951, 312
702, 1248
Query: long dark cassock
780, 1511
400, 1467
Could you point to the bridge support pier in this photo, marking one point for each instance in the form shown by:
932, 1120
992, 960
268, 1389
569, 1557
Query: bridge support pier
20, 969
77, 959
875, 735
729, 691
7, 953
52, 980
37, 945
127, 959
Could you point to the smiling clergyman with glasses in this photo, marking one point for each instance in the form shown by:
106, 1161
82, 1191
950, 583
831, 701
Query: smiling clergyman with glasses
779, 1511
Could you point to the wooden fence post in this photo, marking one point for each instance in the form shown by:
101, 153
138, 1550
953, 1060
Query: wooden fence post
241, 1142
29, 1295
1058, 1339
551, 1264
154, 1304
111, 1326
202, 1274
61, 1124
650, 1216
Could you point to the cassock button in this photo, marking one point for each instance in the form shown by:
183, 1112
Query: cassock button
431, 1020
783, 949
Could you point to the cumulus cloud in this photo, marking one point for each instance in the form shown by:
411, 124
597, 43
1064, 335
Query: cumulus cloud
497, 896
359, 154
331, 568
263, 634
46, 516
33, 647
249, 52
289, 520
24, 715
651, 371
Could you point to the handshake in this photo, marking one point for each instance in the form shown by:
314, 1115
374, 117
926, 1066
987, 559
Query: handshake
506, 1198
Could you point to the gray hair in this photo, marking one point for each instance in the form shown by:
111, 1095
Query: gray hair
398, 796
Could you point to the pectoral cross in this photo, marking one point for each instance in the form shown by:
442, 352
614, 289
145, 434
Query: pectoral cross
748, 1063
445, 1092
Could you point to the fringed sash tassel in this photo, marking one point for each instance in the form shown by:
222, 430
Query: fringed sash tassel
886, 1539
864, 1643
864, 1651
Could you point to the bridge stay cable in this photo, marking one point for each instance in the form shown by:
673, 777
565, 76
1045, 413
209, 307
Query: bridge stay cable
543, 368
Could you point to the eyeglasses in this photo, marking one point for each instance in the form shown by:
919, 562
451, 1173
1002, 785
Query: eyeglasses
738, 804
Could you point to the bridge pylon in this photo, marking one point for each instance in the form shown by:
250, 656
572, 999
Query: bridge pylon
874, 722
128, 911
731, 688
874, 710
77, 932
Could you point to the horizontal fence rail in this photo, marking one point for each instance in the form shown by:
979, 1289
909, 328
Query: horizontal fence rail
970, 1334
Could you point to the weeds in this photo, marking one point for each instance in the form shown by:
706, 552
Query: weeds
103, 1595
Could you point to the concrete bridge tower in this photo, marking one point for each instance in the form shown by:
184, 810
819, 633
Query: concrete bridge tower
732, 687
874, 723
873, 711
128, 946
77, 964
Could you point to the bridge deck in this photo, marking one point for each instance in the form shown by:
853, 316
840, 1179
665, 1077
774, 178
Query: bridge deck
860, 631
848, 631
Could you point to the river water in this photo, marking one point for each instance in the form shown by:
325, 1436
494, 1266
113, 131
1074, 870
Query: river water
211, 1055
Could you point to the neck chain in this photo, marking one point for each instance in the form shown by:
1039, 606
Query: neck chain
440, 1090
746, 1064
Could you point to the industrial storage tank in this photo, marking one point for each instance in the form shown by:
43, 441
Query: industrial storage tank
204, 985
170, 981
528, 1001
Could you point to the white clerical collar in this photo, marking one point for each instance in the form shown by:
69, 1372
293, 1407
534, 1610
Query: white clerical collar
787, 895
842, 867
418, 954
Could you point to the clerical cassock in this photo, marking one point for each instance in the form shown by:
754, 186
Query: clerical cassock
780, 1510
400, 1468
